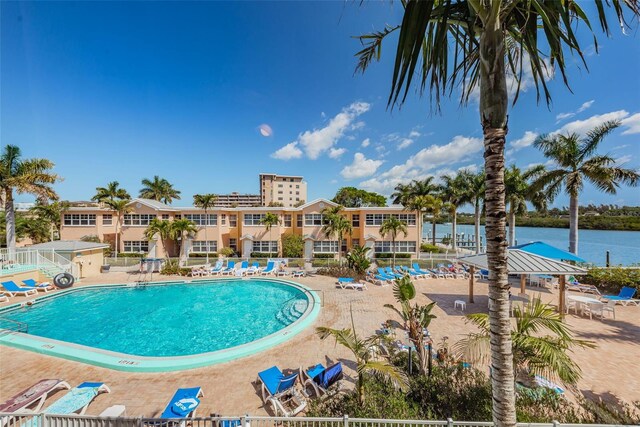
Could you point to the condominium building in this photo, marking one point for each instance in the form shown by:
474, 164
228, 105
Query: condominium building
239, 228
235, 200
287, 190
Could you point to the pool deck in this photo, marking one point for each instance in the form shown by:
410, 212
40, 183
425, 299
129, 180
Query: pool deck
228, 387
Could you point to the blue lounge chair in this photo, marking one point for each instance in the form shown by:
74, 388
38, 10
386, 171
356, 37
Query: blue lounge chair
417, 268
229, 268
44, 286
268, 269
275, 386
412, 272
78, 399
390, 272
183, 404
484, 274
217, 269
13, 289
624, 296
321, 379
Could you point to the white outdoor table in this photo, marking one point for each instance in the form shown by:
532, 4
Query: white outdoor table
582, 301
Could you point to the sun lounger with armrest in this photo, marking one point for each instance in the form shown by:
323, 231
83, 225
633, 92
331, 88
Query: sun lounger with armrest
12, 289
33, 397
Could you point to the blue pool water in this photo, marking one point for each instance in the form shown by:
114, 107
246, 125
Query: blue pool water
167, 320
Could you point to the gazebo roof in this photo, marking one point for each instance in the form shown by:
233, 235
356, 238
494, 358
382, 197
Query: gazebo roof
548, 251
522, 262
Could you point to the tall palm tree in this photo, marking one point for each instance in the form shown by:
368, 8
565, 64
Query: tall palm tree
366, 362
24, 176
206, 202
519, 192
336, 224
112, 191
577, 161
434, 207
473, 44
180, 230
402, 193
453, 194
423, 187
120, 207
159, 189
418, 204
392, 226
416, 317
162, 228
51, 214
542, 343
269, 220
474, 183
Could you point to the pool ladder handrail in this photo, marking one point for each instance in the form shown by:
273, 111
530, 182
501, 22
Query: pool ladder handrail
20, 326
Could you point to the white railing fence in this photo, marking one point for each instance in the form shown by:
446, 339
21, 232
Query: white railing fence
16, 260
50, 420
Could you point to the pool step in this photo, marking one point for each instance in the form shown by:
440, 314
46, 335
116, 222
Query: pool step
291, 311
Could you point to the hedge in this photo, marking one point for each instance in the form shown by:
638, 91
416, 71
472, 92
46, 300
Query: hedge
611, 280
264, 254
203, 255
390, 255
323, 256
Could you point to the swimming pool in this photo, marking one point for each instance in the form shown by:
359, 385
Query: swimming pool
164, 326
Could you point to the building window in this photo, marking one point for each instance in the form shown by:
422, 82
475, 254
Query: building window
287, 220
343, 246
233, 220
402, 247
233, 243
265, 246
177, 216
355, 242
165, 216
299, 220
355, 220
378, 219
107, 219
138, 220
297, 186
325, 246
223, 219
201, 219
253, 219
313, 219
79, 219
204, 246
279, 198
136, 246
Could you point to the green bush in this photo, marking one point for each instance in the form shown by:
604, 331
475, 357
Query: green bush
172, 267
339, 271
228, 252
611, 280
131, 255
390, 255
357, 259
292, 246
203, 255
426, 247
264, 254
323, 256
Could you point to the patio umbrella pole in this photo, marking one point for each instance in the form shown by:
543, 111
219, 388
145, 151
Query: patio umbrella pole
523, 283
472, 272
561, 301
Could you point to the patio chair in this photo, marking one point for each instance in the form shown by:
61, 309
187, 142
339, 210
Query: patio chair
411, 272
12, 289
320, 379
417, 269
438, 273
229, 268
33, 398
389, 272
78, 399
610, 306
253, 269
484, 274
44, 286
278, 390
183, 404
624, 297
217, 269
269, 269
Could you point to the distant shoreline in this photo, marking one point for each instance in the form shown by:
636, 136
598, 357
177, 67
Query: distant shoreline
604, 223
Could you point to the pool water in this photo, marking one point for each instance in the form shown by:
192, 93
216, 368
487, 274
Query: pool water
167, 320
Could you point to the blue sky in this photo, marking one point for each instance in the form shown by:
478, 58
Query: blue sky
127, 90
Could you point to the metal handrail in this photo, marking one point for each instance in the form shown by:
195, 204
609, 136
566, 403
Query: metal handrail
21, 326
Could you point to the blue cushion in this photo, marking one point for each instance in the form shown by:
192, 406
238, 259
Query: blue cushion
271, 378
313, 372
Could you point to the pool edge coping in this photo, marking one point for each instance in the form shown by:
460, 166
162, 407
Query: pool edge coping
130, 363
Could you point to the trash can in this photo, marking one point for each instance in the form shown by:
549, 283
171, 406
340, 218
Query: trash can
105, 268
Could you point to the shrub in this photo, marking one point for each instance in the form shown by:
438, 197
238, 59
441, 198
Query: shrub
357, 259
292, 246
172, 267
426, 247
264, 255
131, 255
323, 256
339, 271
203, 255
611, 280
390, 255
228, 252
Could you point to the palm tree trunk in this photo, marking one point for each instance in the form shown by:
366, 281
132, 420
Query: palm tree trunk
10, 220
393, 251
512, 227
454, 227
433, 232
476, 225
573, 223
493, 112
206, 242
115, 251
419, 242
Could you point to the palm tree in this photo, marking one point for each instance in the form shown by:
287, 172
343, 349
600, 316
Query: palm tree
206, 202
159, 189
365, 358
423, 187
269, 220
162, 228
418, 204
416, 317
51, 214
473, 44
180, 229
120, 207
519, 192
434, 207
30, 176
474, 184
577, 161
453, 193
111, 192
393, 226
335, 224
542, 343
402, 193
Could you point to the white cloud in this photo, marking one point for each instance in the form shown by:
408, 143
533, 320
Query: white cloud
623, 159
620, 147
414, 134
406, 142
527, 139
560, 117
632, 124
583, 126
288, 152
420, 165
361, 167
318, 141
585, 106
366, 142
335, 153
